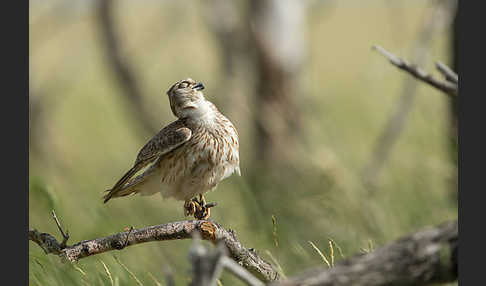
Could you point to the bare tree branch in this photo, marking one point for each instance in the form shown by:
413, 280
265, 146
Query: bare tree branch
453, 129
209, 230
240, 272
427, 256
441, 14
447, 72
65, 235
447, 87
424, 257
209, 264
206, 266
46, 241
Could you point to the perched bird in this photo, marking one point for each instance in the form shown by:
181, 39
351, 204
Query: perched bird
188, 157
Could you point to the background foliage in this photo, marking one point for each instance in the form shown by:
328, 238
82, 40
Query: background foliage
84, 136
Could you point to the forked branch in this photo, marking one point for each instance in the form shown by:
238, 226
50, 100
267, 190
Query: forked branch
207, 265
449, 86
208, 230
421, 258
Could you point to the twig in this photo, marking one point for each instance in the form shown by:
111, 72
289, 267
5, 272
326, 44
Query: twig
395, 125
206, 264
447, 87
447, 72
209, 264
209, 230
65, 235
240, 272
126, 240
422, 258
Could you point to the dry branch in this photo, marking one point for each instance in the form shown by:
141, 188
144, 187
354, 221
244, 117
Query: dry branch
440, 14
445, 86
209, 263
447, 72
65, 235
206, 264
240, 272
425, 257
209, 230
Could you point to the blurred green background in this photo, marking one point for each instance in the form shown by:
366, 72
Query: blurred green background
85, 133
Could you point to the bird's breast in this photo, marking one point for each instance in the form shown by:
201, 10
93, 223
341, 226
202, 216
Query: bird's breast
213, 148
207, 158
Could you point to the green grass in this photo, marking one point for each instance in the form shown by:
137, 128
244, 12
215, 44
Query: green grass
348, 92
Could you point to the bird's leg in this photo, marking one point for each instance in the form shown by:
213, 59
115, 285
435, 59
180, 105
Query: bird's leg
203, 210
199, 211
189, 208
202, 200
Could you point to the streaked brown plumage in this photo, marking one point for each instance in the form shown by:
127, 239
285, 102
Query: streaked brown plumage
188, 157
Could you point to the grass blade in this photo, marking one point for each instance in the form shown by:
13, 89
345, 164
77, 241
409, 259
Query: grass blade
108, 273
128, 270
320, 253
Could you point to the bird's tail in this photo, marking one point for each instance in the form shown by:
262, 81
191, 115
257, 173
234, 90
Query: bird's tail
133, 186
119, 186
125, 191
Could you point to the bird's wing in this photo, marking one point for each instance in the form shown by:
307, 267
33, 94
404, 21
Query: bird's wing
169, 138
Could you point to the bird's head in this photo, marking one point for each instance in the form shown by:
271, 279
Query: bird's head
186, 98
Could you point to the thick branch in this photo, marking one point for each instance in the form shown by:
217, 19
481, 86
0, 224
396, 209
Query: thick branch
445, 86
211, 231
428, 256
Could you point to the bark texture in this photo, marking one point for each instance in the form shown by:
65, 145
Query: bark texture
428, 256
208, 230
425, 257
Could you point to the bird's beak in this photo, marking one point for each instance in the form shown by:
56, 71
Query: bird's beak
198, 86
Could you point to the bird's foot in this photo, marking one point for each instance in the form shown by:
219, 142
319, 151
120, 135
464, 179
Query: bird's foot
189, 208
202, 209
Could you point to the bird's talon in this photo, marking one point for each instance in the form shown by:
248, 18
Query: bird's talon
189, 208
203, 211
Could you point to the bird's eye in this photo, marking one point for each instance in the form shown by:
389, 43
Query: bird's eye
184, 84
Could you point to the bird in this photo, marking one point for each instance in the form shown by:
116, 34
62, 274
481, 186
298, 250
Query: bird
186, 158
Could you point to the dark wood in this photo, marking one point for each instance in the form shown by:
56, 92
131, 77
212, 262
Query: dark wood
425, 257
